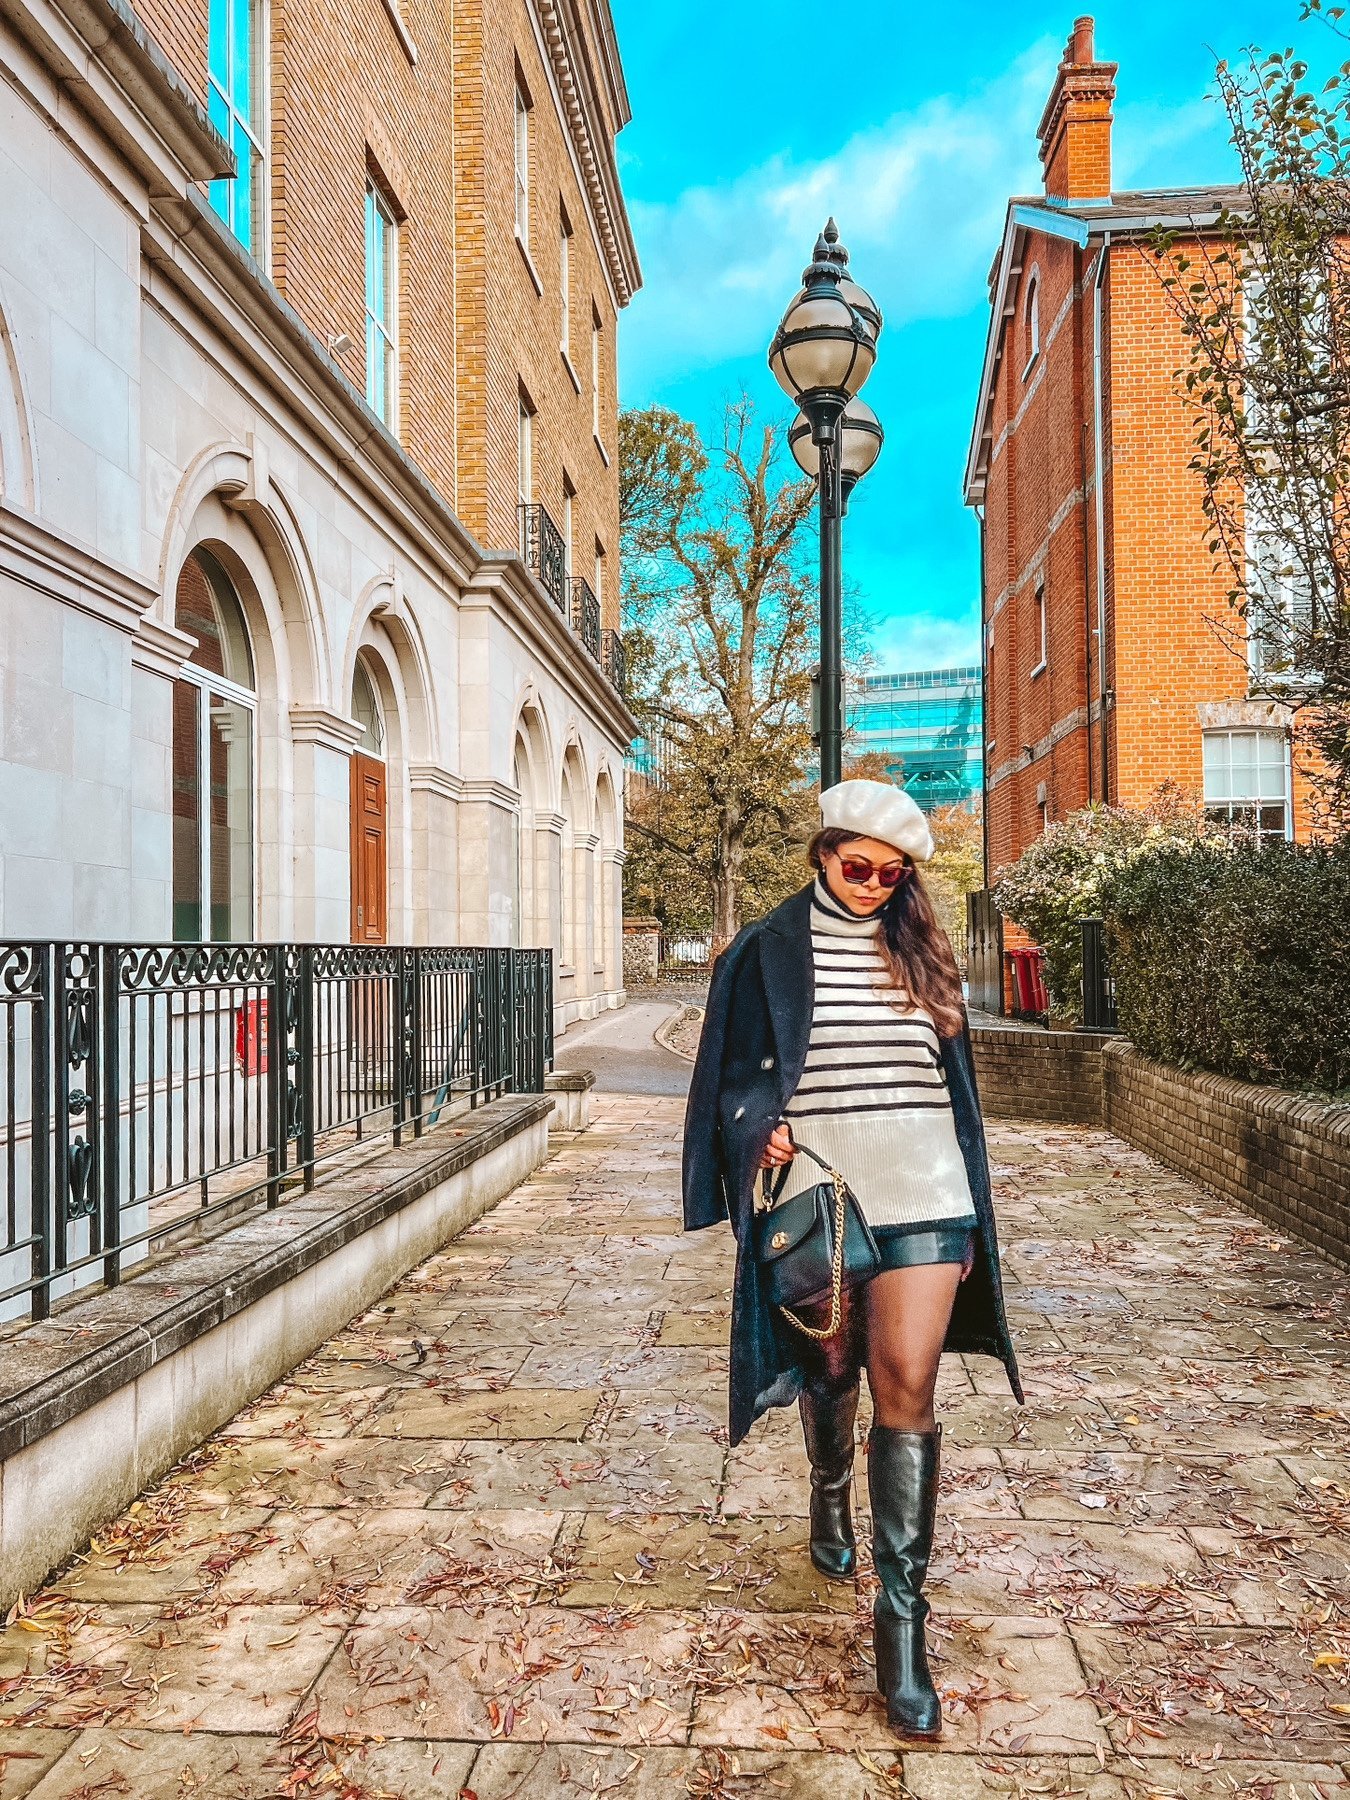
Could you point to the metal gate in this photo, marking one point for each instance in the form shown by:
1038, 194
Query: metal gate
984, 952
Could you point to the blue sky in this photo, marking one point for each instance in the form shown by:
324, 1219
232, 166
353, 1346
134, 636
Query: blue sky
731, 167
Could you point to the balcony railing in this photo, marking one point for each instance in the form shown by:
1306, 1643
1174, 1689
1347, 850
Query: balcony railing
545, 553
145, 1087
586, 614
614, 661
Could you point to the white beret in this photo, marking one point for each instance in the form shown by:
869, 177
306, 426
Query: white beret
875, 809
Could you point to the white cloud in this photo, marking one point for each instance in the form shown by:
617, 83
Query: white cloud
925, 640
919, 200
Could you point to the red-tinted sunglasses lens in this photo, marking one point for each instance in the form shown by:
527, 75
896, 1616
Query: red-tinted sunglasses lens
858, 869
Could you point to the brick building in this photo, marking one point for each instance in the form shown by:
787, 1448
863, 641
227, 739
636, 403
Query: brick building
308, 500
1103, 674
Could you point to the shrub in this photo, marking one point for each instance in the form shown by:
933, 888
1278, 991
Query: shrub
1236, 958
1065, 875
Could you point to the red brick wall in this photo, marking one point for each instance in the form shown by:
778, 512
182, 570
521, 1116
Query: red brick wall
344, 97
1164, 597
1035, 526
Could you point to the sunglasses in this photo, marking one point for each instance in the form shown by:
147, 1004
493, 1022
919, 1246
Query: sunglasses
857, 871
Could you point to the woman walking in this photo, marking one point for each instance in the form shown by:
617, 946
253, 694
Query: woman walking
836, 1024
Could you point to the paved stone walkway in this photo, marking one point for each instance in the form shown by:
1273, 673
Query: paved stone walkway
490, 1542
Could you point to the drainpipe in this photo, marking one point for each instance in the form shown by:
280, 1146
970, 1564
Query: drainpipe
1098, 461
984, 710
1083, 485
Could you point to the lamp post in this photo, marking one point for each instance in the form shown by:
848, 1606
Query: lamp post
822, 353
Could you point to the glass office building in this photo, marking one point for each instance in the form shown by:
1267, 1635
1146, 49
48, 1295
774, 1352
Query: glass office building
929, 725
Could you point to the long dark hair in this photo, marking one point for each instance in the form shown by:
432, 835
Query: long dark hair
915, 948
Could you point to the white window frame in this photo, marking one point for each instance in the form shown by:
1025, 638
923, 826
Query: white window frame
565, 288
1042, 633
246, 699
225, 195
568, 496
987, 675
382, 333
1284, 591
522, 165
524, 459
600, 575
1230, 809
1033, 323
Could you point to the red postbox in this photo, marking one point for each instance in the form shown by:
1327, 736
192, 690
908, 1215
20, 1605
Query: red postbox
250, 1037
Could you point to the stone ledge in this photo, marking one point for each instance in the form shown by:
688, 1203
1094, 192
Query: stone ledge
99, 1401
572, 1088
49, 1375
568, 1081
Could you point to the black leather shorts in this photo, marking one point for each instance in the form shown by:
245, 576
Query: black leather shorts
903, 1248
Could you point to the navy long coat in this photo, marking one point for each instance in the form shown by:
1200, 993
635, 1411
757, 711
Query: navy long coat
750, 1059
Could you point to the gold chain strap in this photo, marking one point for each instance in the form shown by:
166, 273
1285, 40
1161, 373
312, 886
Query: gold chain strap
836, 1271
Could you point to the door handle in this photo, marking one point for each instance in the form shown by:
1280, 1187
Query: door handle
360, 915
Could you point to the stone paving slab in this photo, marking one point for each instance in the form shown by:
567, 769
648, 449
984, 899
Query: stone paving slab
490, 1541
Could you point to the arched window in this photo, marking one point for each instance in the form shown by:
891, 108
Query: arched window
520, 777
367, 712
214, 721
1033, 322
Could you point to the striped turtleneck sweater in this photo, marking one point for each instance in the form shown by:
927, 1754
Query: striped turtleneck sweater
872, 1099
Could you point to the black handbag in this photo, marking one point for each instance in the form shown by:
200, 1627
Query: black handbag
814, 1244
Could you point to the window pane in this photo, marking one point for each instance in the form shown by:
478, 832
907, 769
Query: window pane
375, 384
206, 605
1272, 821
1242, 749
366, 712
1218, 784
187, 842
246, 189
241, 59
217, 51
231, 820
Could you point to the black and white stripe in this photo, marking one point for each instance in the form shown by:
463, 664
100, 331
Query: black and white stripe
872, 1098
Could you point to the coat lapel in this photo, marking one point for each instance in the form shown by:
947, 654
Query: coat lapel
789, 982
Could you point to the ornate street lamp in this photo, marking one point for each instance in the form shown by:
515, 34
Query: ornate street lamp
821, 355
861, 438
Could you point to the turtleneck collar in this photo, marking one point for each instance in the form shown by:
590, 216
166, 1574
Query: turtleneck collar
830, 915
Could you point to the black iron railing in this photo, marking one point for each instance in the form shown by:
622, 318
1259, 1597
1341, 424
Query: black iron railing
1099, 990
614, 662
143, 1087
545, 553
586, 614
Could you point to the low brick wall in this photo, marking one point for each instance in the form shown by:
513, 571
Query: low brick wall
1029, 1074
1281, 1156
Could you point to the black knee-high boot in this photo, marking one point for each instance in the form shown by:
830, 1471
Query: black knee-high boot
902, 1479
828, 1418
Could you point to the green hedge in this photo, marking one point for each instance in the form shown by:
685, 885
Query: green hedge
1236, 959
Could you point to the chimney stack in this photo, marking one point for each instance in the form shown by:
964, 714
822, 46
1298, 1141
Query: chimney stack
1075, 129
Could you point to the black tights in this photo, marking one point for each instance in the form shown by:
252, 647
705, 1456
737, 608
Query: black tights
895, 1328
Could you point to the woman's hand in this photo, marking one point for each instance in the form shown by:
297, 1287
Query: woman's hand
969, 1262
780, 1149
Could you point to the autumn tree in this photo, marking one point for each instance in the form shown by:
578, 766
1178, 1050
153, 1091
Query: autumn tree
720, 615
1262, 295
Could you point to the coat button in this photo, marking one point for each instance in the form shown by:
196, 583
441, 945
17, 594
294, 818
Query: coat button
767, 1063
739, 1113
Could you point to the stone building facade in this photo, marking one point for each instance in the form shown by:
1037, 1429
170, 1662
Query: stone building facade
1104, 673
308, 501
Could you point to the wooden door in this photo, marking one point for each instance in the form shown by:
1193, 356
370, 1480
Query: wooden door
370, 896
